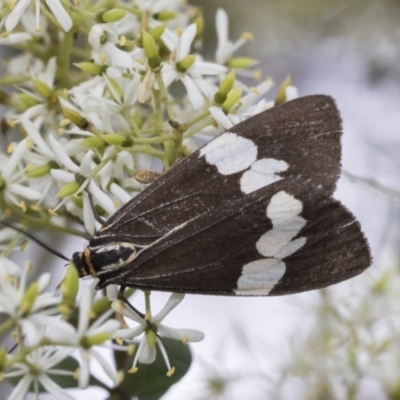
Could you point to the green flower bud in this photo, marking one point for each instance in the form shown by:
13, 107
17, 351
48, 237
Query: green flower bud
183, 65
41, 170
27, 101
42, 88
225, 87
75, 117
150, 49
111, 15
199, 21
116, 87
2, 182
3, 358
241, 62
164, 15
3, 97
29, 298
233, 97
117, 139
70, 285
281, 94
100, 306
91, 68
68, 189
92, 142
157, 32
94, 340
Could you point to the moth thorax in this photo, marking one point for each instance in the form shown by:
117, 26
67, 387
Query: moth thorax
108, 257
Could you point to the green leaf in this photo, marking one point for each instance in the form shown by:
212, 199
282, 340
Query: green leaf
150, 382
68, 364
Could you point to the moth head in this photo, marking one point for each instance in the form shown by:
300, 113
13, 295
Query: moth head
79, 261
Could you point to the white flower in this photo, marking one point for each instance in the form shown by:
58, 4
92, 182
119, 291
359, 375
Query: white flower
225, 47
47, 76
27, 306
192, 79
103, 38
12, 177
39, 365
151, 327
85, 336
55, 6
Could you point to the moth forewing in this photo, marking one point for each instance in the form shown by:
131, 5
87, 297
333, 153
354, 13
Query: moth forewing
299, 138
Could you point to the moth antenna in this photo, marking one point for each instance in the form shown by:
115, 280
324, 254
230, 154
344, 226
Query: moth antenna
35, 238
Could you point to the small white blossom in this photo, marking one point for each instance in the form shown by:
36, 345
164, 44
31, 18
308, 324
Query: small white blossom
195, 85
86, 335
103, 38
28, 306
37, 370
146, 353
55, 6
225, 48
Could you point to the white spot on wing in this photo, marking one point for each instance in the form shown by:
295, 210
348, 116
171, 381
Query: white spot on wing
283, 207
262, 173
230, 153
259, 277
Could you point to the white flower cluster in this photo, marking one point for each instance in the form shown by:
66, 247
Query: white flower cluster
45, 335
100, 97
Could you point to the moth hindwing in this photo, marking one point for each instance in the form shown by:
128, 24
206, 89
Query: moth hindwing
250, 213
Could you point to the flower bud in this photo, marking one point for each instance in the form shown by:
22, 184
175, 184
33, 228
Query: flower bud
199, 21
70, 286
164, 15
68, 189
225, 87
110, 16
91, 68
185, 63
41, 170
116, 139
92, 142
157, 32
116, 87
150, 49
29, 298
2, 182
75, 117
233, 97
241, 62
281, 94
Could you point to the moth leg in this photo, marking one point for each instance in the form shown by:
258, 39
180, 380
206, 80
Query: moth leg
95, 214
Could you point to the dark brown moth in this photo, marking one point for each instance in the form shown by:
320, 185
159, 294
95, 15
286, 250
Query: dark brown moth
250, 213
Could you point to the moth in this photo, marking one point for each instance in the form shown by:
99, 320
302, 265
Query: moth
249, 213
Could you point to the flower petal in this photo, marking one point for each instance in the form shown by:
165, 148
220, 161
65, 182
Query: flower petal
195, 96
52, 388
172, 302
185, 42
16, 14
22, 388
61, 15
148, 354
189, 335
